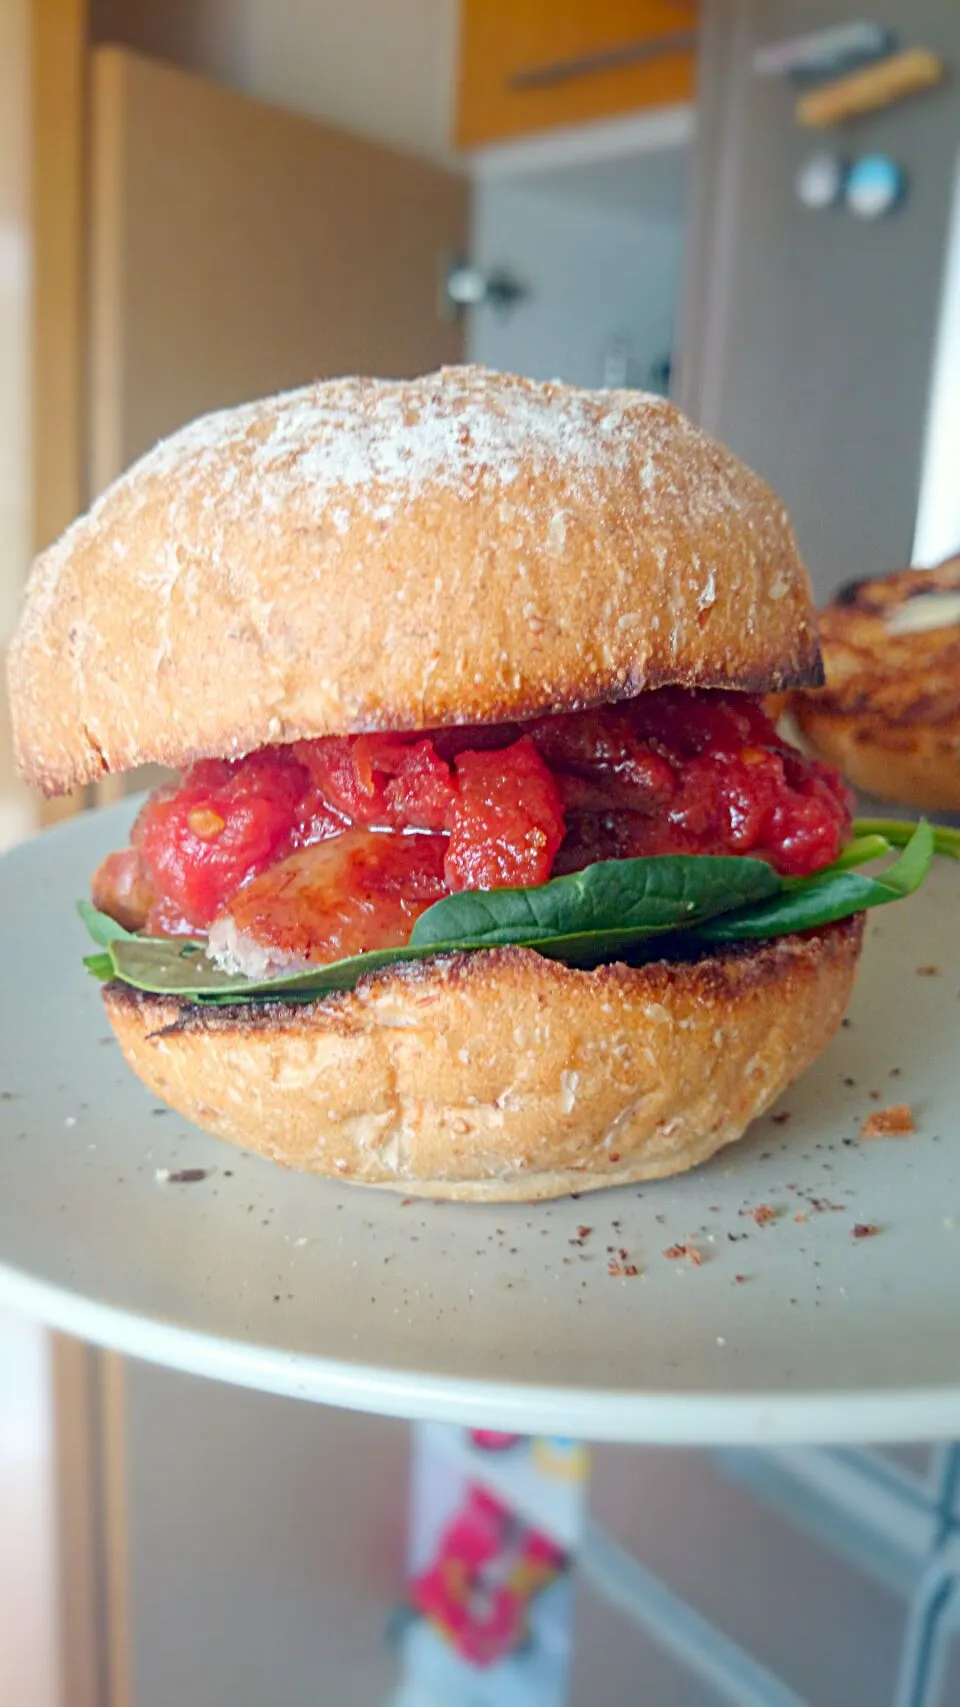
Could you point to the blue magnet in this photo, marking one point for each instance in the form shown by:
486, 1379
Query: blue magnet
875, 185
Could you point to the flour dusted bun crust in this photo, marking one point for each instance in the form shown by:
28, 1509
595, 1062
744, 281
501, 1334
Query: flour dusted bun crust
503, 1076
464, 548
889, 714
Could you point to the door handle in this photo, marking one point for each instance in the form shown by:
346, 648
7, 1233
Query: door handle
465, 286
605, 59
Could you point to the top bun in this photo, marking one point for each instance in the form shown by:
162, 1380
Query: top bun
467, 547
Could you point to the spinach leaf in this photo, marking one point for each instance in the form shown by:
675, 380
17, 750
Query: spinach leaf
860, 851
617, 898
945, 842
163, 967
100, 966
614, 908
590, 916
102, 928
832, 894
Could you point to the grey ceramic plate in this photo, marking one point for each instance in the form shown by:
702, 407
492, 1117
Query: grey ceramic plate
511, 1317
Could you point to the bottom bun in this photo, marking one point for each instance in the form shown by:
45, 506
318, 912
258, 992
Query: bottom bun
500, 1075
911, 764
888, 715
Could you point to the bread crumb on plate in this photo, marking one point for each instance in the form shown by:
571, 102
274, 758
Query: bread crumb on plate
893, 1122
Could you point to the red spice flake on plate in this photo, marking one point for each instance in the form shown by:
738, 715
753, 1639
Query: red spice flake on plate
893, 1122
928, 971
762, 1215
622, 1270
865, 1230
781, 1118
800, 1216
675, 1253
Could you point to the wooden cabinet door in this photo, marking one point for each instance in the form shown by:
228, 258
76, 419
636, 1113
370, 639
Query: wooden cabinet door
237, 249
528, 65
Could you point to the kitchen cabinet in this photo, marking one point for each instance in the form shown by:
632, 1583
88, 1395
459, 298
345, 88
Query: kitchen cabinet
534, 65
237, 250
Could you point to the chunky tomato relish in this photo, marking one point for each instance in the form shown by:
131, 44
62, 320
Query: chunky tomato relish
325, 848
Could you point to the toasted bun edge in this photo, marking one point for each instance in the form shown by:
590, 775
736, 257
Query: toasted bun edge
502, 1076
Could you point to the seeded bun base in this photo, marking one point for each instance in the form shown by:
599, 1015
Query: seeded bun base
464, 548
889, 714
907, 764
502, 1076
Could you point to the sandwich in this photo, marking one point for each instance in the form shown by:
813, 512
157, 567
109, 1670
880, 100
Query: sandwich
482, 873
888, 713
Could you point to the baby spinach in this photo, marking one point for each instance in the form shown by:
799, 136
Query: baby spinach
163, 967
101, 926
616, 908
897, 833
828, 896
616, 897
588, 916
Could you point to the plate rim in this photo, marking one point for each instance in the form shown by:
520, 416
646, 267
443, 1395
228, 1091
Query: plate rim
697, 1418
700, 1418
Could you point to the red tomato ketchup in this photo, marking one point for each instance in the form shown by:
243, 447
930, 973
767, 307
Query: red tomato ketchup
669, 772
507, 824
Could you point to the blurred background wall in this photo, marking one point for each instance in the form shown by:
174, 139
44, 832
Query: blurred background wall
811, 337
598, 247
16, 540
28, 1568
